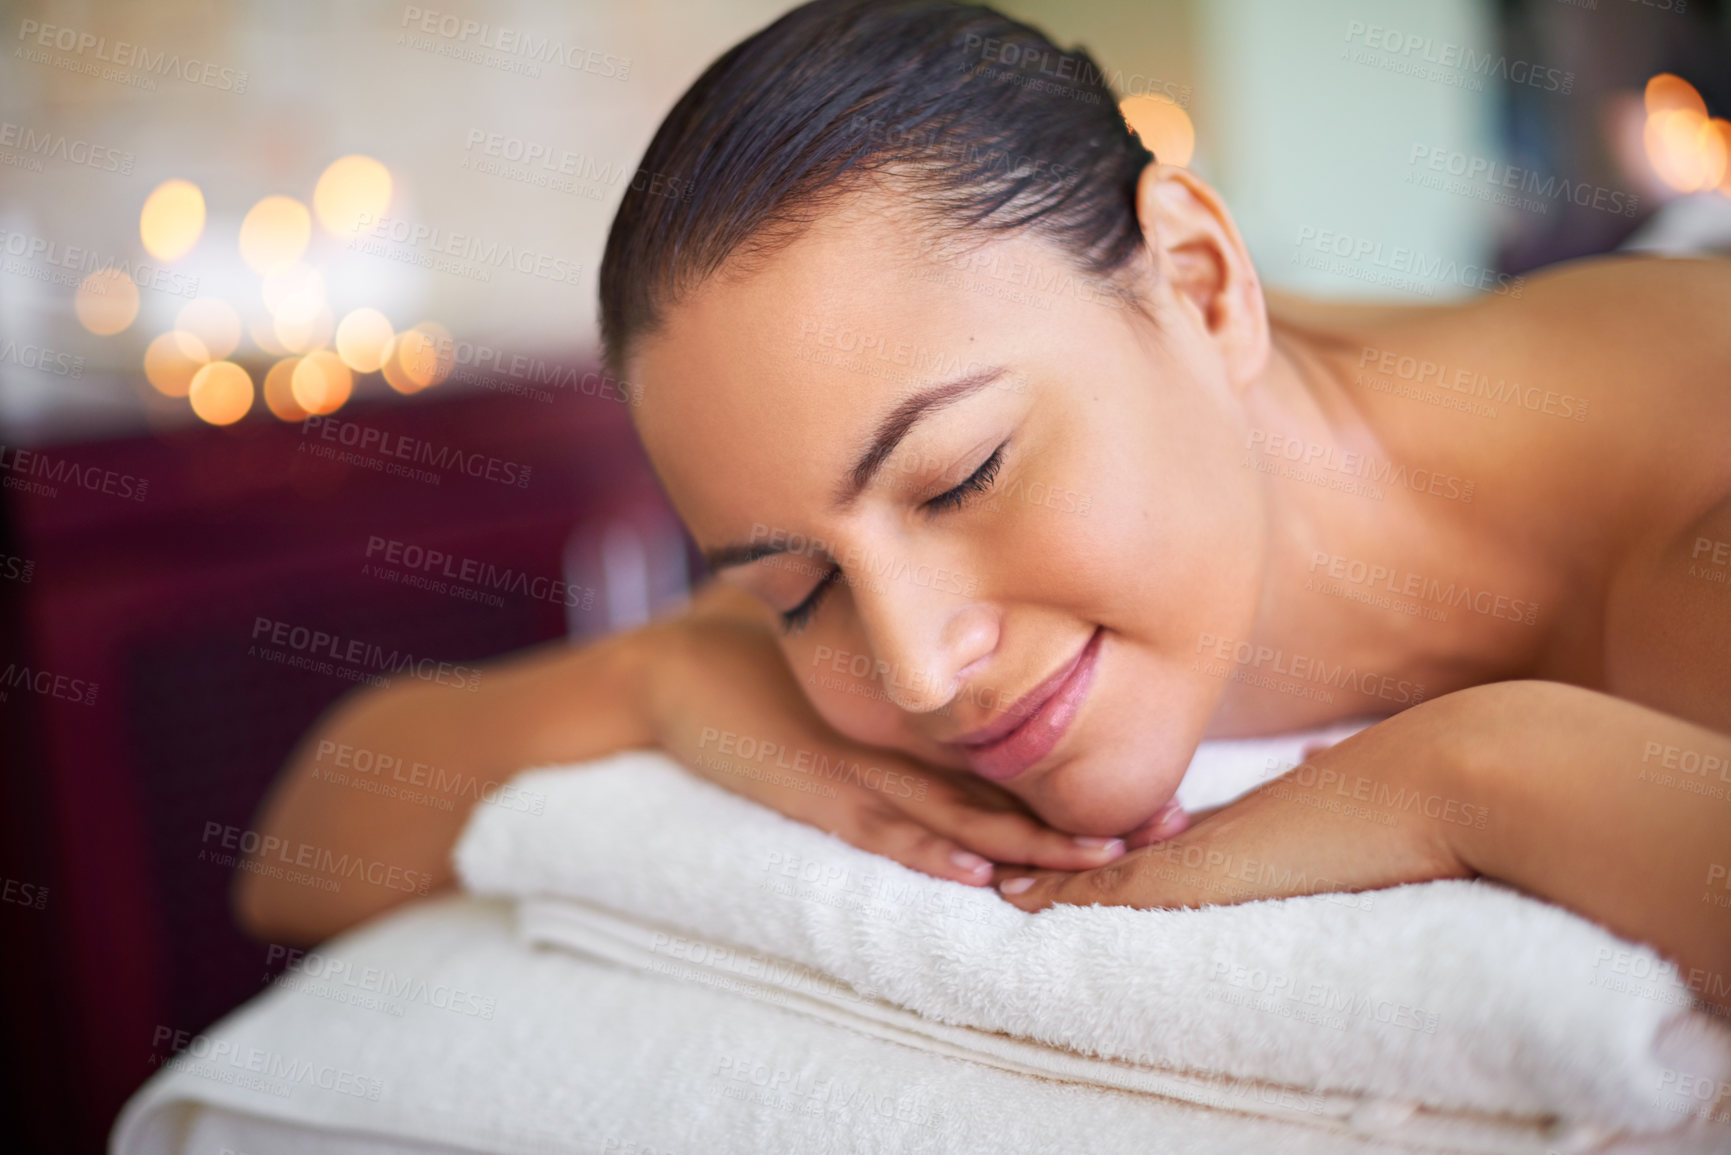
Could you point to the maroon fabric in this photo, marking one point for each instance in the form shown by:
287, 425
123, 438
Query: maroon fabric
155, 601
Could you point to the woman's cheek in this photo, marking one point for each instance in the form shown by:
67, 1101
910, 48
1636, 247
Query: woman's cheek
855, 705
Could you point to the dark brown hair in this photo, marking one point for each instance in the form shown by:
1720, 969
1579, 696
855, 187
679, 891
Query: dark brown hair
986, 121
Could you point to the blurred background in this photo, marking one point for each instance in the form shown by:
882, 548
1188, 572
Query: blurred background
298, 341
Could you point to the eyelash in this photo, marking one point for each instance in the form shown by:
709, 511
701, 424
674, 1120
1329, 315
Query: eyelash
794, 620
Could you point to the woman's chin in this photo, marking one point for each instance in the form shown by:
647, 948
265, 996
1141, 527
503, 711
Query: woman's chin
1081, 799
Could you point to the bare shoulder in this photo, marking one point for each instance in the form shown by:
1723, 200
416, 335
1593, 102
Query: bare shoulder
1648, 337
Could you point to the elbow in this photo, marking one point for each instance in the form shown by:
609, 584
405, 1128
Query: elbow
265, 914
250, 902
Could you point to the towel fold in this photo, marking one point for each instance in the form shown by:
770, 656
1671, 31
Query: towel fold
1446, 998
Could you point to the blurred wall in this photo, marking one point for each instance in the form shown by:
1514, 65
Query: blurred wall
1297, 134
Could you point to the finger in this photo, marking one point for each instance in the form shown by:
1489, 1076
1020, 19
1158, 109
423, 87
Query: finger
1010, 837
1171, 821
918, 848
1033, 890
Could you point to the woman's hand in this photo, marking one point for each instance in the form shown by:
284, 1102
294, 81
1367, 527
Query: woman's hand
721, 699
1370, 812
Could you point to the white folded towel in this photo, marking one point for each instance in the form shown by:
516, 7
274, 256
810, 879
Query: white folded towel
1460, 998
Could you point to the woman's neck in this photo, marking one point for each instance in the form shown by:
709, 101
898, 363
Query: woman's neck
1371, 546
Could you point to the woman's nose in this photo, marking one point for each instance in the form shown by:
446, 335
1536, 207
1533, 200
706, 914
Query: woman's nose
925, 640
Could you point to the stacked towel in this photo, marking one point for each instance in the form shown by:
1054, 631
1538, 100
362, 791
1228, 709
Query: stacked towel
1457, 1014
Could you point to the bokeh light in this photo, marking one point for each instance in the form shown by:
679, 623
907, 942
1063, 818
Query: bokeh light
214, 322
430, 355
363, 339
295, 280
321, 383
171, 361
263, 334
352, 192
274, 234
1686, 150
1666, 93
106, 302
172, 220
419, 358
221, 393
279, 394
1164, 127
301, 332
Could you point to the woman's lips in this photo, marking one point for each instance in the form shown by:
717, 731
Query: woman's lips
1031, 727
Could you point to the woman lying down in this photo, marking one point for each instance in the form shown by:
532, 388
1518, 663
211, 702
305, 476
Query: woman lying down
1017, 486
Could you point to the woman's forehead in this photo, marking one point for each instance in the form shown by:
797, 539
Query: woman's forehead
765, 384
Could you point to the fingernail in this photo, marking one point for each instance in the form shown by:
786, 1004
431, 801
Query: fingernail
1112, 846
1015, 885
1172, 821
965, 860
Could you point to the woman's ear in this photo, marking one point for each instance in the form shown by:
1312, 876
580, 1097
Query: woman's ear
1197, 249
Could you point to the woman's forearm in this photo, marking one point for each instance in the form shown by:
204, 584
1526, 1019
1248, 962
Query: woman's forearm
1611, 809
366, 811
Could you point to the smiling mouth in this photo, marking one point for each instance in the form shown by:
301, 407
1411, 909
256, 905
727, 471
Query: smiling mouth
1033, 726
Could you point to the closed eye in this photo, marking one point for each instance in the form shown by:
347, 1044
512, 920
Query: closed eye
794, 620
978, 482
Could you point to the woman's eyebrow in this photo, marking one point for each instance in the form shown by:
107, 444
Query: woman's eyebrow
896, 425
900, 421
